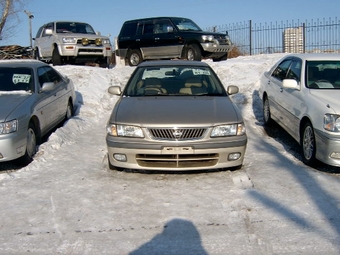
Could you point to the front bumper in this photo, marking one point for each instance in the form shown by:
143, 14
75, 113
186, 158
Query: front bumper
79, 50
327, 148
172, 156
12, 146
215, 48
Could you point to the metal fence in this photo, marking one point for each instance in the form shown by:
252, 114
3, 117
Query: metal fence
320, 35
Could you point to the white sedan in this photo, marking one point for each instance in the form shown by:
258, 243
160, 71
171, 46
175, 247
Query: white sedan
301, 92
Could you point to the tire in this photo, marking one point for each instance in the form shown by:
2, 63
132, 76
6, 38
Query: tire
266, 112
223, 58
31, 146
69, 111
308, 146
36, 54
193, 53
56, 58
135, 57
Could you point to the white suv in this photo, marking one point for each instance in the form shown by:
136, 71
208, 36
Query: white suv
69, 42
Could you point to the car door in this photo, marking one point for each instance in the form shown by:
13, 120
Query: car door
145, 39
292, 100
46, 40
275, 89
54, 101
166, 42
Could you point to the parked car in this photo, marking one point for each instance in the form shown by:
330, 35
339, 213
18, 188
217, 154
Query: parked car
301, 93
175, 115
168, 38
34, 99
69, 42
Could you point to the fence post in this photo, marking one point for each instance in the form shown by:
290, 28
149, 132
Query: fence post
250, 39
304, 37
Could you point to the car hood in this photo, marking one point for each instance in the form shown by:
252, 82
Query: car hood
329, 97
175, 111
9, 102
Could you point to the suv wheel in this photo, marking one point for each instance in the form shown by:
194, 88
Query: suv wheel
135, 57
193, 53
36, 54
56, 58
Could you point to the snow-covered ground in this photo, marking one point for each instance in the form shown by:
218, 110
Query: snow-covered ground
67, 201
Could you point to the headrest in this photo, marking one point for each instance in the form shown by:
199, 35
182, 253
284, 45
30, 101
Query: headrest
193, 82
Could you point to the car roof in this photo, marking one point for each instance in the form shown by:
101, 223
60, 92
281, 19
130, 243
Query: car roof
21, 63
173, 63
316, 56
162, 17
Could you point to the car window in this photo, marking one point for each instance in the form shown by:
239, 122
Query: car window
48, 26
281, 70
48, 74
323, 74
16, 79
129, 29
183, 24
162, 26
174, 81
74, 27
294, 71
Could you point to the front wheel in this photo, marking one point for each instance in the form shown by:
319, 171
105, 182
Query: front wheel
135, 57
31, 146
69, 111
193, 53
308, 145
56, 58
36, 54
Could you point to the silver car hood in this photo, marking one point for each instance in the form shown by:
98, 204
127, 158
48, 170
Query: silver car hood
175, 111
329, 97
10, 101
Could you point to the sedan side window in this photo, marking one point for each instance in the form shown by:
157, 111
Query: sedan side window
47, 74
281, 70
295, 71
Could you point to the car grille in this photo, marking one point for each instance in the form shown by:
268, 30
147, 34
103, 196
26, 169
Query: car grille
173, 161
176, 134
222, 40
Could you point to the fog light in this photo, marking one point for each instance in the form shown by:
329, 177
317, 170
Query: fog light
120, 157
84, 41
234, 156
335, 155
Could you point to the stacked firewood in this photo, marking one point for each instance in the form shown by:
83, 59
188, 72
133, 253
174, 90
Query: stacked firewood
15, 52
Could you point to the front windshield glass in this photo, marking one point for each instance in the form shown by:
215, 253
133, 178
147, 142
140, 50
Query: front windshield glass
185, 25
174, 81
16, 79
323, 74
74, 27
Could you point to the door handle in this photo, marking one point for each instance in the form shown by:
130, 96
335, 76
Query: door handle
157, 38
281, 89
268, 82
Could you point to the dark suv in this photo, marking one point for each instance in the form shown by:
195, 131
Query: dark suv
167, 38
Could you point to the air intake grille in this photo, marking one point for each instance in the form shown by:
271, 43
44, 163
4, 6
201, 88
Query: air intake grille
177, 134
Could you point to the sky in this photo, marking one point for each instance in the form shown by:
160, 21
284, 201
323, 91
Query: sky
67, 201
107, 16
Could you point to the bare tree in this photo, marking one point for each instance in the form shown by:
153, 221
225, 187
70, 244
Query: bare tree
9, 18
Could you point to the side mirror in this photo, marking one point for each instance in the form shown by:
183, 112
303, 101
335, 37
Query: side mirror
232, 89
47, 86
170, 29
48, 31
115, 90
290, 84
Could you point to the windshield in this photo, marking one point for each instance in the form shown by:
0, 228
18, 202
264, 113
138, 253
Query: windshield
323, 74
174, 81
16, 79
74, 27
185, 24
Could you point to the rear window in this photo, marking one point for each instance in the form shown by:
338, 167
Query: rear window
16, 79
129, 29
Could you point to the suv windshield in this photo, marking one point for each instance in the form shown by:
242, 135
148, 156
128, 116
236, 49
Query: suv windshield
74, 27
185, 24
174, 81
323, 74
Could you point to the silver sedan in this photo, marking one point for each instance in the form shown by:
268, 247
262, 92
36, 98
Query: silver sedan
34, 99
175, 116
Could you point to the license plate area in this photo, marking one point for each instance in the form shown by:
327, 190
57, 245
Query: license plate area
178, 150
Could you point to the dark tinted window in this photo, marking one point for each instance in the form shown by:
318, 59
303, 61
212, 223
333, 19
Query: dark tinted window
280, 72
18, 78
48, 74
129, 29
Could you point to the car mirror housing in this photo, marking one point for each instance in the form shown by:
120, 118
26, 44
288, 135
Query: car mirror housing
48, 31
115, 90
47, 86
290, 84
232, 89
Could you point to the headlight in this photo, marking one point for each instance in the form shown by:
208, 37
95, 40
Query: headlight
9, 127
228, 130
331, 122
106, 41
69, 40
123, 130
208, 38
